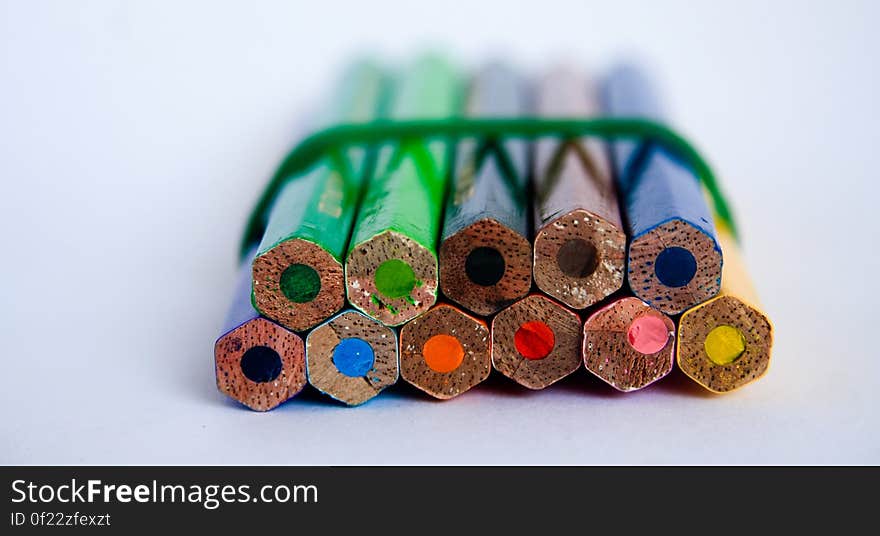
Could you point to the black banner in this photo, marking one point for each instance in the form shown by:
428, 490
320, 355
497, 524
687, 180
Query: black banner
360, 499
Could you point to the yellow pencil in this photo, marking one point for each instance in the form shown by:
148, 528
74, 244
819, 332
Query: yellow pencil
725, 343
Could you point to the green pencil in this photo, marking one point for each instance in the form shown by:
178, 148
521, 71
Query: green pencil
297, 274
391, 268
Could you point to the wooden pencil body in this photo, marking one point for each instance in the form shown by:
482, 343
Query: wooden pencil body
674, 261
536, 341
391, 269
726, 342
629, 344
352, 357
579, 246
445, 351
257, 362
485, 254
298, 275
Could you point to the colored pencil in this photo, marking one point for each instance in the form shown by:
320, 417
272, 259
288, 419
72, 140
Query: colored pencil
674, 261
536, 341
257, 362
580, 244
391, 269
297, 274
445, 351
725, 343
485, 255
351, 357
629, 344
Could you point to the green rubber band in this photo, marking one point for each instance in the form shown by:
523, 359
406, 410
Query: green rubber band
322, 143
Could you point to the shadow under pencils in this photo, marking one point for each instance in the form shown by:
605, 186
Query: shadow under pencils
677, 383
403, 390
579, 384
583, 384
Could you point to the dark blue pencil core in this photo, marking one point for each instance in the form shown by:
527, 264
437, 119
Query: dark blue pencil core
675, 266
484, 266
353, 357
261, 364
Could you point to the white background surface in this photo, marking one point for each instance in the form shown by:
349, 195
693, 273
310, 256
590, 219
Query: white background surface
135, 136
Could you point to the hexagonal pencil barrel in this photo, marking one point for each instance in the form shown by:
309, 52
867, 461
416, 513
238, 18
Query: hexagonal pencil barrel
391, 267
257, 362
297, 275
536, 341
674, 261
485, 255
579, 244
352, 357
628, 344
725, 343
445, 351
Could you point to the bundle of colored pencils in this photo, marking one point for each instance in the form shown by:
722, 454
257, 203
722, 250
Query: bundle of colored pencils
442, 226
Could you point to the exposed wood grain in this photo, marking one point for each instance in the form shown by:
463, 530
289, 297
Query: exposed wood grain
736, 307
609, 350
400, 216
270, 345
564, 356
324, 374
579, 245
465, 333
485, 255
311, 218
674, 260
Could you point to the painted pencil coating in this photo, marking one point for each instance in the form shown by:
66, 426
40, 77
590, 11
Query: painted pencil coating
241, 309
391, 269
674, 261
257, 362
735, 279
485, 256
726, 342
496, 91
567, 92
298, 275
409, 181
579, 245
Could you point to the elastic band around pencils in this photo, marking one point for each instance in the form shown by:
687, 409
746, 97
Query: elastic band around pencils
322, 143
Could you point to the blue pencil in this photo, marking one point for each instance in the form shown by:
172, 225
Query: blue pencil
352, 357
257, 362
674, 261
